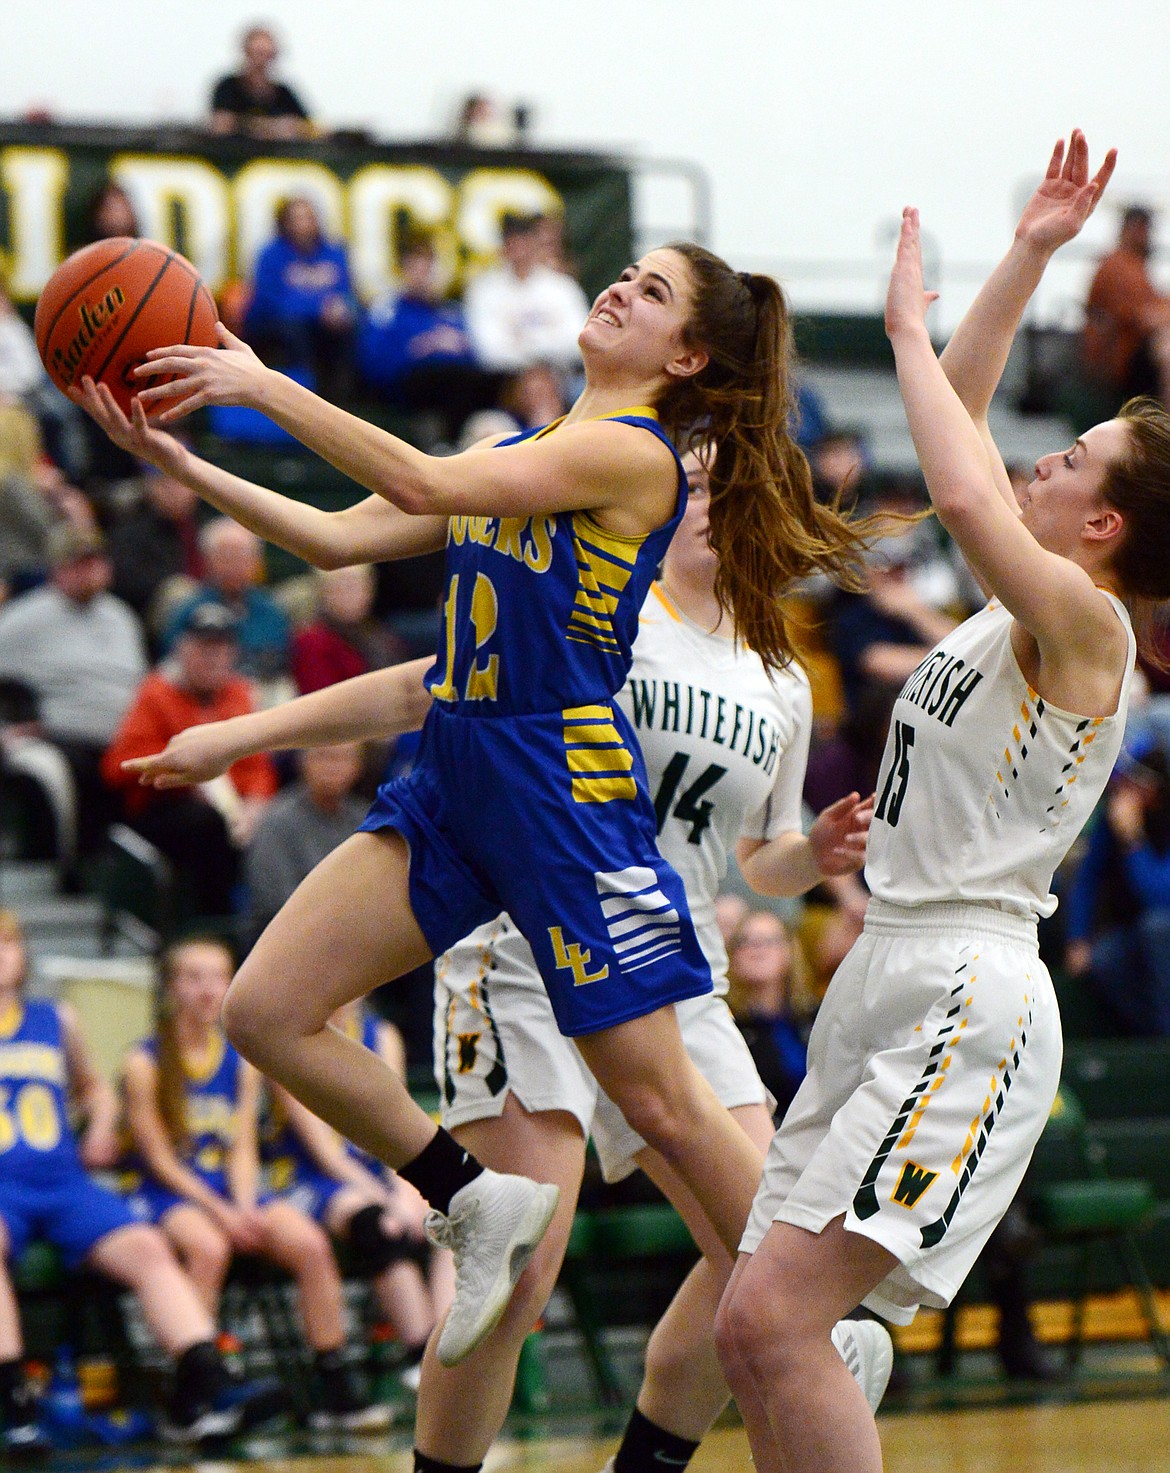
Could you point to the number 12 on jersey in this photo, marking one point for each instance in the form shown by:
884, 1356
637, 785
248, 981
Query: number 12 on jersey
482, 679
894, 789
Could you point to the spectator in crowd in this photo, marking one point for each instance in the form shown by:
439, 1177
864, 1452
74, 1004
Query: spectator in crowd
524, 316
110, 213
1124, 344
413, 348
27, 516
251, 101
192, 1114
157, 540
345, 638
376, 1215
201, 830
302, 824
233, 561
302, 315
23, 379
81, 653
46, 1193
1117, 912
880, 636
764, 967
485, 122
840, 459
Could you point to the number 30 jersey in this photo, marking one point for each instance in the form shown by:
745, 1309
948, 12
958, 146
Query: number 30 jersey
725, 746
36, 1143
983, 784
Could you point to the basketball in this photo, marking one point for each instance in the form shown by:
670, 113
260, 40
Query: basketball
109, 303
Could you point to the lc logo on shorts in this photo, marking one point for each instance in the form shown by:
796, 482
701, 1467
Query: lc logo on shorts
575, 959
913, 1183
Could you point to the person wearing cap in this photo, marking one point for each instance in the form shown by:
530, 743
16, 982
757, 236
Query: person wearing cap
202, 830
233, 560
80, 651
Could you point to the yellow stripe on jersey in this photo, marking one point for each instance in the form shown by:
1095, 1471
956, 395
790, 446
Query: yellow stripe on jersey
599, 759
603, 789
594, 746
605, 563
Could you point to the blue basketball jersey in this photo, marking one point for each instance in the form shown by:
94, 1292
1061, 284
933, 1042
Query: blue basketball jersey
282, 1152
212, 1090
36, 1142
541, 612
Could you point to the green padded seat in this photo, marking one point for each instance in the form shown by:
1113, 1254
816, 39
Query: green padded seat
1071, 1208
38, 1270
643, 1231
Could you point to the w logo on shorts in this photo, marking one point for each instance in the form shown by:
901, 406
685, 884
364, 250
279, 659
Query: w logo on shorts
914, 1181
643, 925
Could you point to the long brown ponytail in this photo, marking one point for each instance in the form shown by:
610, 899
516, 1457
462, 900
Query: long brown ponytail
767, 528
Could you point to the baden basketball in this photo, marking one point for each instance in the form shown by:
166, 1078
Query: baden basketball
109, 303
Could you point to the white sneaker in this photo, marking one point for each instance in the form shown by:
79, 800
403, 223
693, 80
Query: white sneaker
493, 1229
868, 1352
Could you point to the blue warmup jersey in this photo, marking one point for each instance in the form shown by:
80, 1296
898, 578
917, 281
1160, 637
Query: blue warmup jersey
529, 794
290, 1172
44, 1189
212, 1092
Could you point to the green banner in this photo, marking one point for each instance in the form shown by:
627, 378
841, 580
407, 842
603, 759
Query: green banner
215, 200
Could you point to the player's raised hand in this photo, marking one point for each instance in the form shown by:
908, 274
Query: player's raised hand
907, 298
1066, 196
229, 374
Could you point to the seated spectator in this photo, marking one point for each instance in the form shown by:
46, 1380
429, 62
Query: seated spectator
879, 637
303, 314
525, 314
47, 1194
763, 974
233, 562
27, 516
413, 348
24, 380
376, 1215
302, 824
251, 101
201, 830
345, 638
1117, 912
81, 653
192, 1113
1127, 319
157, 540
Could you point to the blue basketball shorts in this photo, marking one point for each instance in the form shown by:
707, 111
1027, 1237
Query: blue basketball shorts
72, 1213
548, 817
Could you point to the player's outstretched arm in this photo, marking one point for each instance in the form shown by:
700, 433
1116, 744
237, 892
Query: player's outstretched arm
371, 531
975, 357
374, 707
1051, 596
586, 466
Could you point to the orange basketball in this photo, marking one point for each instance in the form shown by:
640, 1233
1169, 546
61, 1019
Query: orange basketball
109, 303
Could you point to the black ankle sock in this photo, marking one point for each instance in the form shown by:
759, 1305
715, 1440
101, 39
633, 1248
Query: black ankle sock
423, 1464
199, 1373
440, 1169
11, 1384
646, 1446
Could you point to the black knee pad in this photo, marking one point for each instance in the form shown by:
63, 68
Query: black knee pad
373, 1248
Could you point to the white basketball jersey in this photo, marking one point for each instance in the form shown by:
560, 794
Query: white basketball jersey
725, 746
983, 784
